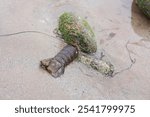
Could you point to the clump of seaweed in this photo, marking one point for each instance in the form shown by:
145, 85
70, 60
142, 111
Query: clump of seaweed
76, 31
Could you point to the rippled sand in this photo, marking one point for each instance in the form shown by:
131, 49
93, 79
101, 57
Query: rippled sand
115, 22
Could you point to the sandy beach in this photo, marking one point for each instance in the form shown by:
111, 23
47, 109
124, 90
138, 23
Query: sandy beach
115, 22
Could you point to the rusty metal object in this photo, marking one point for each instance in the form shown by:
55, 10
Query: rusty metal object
56, 66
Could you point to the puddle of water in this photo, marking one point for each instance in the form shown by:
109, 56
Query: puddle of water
114, 23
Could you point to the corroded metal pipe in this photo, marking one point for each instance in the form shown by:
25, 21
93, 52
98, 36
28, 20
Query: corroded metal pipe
56, 66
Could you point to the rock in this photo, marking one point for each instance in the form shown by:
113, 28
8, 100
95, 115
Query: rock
77, 32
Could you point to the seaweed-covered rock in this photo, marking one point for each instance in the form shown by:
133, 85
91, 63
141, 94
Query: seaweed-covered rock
76, 31
144, 5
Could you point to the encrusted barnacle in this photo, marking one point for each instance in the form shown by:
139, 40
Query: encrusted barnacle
104, 67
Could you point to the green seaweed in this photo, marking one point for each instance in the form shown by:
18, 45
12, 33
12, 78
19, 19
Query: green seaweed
144, 5
76, 31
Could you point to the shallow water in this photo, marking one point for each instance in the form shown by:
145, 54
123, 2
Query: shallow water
115, 22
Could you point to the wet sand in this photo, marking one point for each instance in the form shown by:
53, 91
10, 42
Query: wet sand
115, 22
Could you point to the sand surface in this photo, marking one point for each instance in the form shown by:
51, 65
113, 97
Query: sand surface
115, 22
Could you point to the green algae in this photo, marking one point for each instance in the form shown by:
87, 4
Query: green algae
144, 5
77, 32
